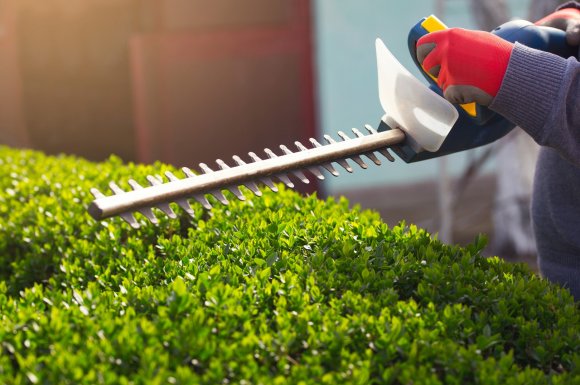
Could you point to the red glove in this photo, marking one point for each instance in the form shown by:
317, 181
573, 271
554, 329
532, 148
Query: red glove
469, 65
567, 19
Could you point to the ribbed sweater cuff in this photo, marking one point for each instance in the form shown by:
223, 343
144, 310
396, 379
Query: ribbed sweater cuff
529, 89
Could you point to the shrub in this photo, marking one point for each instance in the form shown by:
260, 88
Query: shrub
280, 289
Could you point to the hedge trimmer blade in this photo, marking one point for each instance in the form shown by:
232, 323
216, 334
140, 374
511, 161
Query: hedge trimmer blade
178, 190
413, 114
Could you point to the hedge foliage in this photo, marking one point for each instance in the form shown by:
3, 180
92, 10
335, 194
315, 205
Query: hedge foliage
280, 289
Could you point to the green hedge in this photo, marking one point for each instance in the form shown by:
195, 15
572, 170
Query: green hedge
280, 289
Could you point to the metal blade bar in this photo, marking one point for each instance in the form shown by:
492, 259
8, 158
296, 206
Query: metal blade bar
131, 201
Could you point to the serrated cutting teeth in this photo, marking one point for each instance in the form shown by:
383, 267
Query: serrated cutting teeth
357, 132
115, 188
130, 219
203, 201
205, 168
195, 186
267, 181
170, 176
313, 170
216, 193
373, 158
253, 188
357, 159
184, 204
188, 173
296, 173
162, 206
384, 152
342, 162
133, 183
220, 197
154, 180
370, 129
97, 194
250, 185
327, 166
369, 155
282, 177
146, 211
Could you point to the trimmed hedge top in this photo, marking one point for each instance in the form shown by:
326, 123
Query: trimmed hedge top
280, 289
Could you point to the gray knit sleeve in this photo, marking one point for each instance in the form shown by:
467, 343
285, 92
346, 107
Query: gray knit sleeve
541, 93
570, 4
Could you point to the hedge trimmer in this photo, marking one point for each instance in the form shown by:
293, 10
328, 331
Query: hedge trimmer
418, 124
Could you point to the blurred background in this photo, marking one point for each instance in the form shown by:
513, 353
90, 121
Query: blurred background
189, 81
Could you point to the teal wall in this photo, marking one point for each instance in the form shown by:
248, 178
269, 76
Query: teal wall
345, 31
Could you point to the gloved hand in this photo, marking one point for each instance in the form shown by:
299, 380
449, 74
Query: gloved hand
469, 65
567, 19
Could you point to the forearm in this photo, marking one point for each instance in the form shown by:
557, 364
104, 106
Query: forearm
541, 93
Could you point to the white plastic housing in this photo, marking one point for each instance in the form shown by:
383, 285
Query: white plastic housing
410, 105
